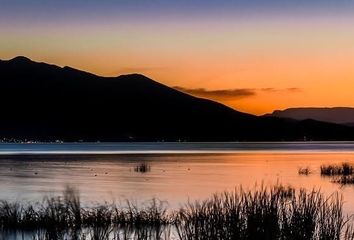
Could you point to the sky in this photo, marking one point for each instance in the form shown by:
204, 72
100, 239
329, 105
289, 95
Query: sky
253, 55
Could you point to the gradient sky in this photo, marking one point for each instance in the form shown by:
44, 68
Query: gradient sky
253, 55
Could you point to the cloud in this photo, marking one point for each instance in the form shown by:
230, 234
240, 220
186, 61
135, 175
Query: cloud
224, 94
292, 89
231, 94
268, 89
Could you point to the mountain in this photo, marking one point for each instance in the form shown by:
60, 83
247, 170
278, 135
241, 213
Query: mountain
339, 115
40, 101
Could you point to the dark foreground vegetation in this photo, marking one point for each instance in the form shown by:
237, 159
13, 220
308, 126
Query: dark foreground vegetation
277, 212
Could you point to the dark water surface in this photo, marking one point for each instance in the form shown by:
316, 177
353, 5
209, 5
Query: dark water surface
183, 147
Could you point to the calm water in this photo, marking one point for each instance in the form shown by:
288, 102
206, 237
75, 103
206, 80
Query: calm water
179, 171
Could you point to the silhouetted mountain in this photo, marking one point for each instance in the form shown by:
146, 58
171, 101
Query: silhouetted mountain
339, 115
46, 102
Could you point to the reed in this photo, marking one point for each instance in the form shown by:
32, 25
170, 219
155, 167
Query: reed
276, 212
343, 169
142, 168
344, 180
264, 214
342, 173
304, 171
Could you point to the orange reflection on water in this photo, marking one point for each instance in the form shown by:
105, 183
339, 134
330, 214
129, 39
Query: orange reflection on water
173, 177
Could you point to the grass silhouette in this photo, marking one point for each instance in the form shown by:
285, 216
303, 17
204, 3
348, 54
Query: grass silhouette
276, 212
143, 168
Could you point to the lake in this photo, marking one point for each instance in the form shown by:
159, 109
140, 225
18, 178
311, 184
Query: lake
178, 172
173, 172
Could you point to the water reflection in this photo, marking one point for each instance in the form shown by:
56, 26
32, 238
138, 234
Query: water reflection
172, 177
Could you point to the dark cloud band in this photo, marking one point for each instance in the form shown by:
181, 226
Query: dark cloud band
220, 94
229, 94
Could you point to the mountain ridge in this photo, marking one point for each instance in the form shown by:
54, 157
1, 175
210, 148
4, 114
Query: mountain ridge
338, 115
46, 102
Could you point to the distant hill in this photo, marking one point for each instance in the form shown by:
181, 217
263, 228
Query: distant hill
339, 115
40, 101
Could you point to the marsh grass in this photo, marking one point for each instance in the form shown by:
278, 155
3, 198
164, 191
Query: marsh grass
304, 171
273, 213
343, 169
344, 180
142, 168
277, 212
342, 173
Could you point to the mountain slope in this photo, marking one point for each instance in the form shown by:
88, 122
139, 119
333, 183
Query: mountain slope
339, 115
46, 102
41, 100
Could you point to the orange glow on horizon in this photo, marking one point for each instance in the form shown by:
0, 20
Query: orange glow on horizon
267, 58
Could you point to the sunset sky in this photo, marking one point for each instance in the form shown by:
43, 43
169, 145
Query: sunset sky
253, 55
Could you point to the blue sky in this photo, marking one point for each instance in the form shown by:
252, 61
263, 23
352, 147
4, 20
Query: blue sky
81, 8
